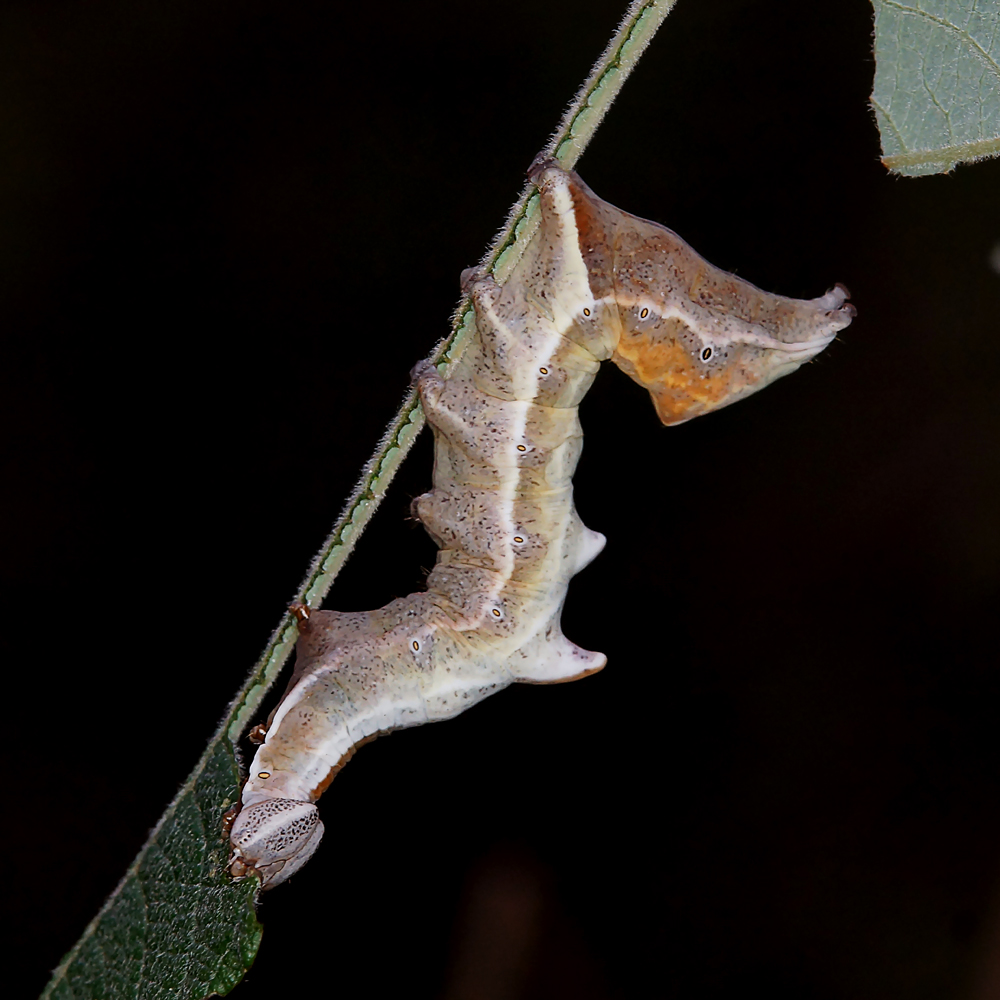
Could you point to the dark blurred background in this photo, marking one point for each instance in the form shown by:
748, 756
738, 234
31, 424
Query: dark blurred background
228, 230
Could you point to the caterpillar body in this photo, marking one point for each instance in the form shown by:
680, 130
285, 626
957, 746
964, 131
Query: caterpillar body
594, 284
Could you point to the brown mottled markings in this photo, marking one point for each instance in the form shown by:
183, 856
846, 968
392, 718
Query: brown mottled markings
693, 313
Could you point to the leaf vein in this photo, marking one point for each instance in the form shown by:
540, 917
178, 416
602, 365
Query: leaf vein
945, 23
888, 120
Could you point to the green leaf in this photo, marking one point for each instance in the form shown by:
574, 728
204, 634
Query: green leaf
178, 926
937, 83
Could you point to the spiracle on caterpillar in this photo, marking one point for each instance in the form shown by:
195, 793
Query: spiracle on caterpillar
594, 284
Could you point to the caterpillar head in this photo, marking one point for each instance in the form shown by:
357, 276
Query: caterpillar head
274, 838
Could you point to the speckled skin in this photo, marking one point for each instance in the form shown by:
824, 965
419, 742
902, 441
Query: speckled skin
594, 284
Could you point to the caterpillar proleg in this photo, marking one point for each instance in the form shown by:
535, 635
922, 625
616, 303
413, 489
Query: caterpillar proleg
595, 284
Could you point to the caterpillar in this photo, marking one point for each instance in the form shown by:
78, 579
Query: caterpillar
594, 284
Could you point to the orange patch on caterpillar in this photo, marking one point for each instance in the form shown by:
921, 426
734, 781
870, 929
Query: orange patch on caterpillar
678, 383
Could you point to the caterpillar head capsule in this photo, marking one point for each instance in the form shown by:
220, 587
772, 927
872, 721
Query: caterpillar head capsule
275, 838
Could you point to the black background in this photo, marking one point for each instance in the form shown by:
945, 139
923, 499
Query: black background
228, 230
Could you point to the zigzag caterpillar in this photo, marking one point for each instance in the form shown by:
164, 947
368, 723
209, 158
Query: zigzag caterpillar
594, 284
